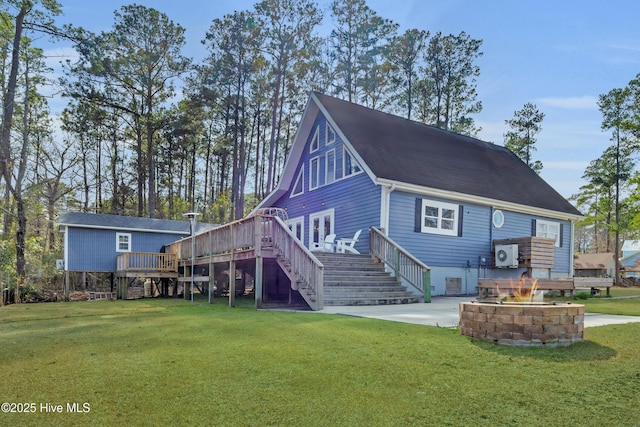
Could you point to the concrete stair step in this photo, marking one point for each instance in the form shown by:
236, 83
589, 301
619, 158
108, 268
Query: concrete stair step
379, 300
359, 278
383, 287
352, 279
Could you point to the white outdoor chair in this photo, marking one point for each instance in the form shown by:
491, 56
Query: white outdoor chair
347, 245
329, 243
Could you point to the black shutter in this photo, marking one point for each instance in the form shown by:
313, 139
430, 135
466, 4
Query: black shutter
561, 233
460, 214
533, 227
418, 216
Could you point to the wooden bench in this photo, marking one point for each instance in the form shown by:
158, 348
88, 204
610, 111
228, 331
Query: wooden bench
593, 283
487, 287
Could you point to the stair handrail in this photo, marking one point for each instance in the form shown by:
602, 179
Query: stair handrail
404, 265
304, 265
260, 231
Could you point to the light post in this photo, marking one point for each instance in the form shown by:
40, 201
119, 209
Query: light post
192, 224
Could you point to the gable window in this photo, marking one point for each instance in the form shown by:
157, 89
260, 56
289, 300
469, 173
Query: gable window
437, 217
330, 164
123, 242
315, 141
351, 167
298, 187
549, 230
330, 135
314, 173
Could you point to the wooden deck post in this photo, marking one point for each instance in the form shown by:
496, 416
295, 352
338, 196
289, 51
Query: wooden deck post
212, 280
232, 282
66, 285
259, 272
426, 282
257, 286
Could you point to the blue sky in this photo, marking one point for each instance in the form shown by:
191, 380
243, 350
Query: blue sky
559, 55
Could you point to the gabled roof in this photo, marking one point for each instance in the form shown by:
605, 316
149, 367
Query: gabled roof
631, 246
128, 223
593, 261
631, 262
398, 150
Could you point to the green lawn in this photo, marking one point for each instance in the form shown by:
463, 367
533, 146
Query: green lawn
172, 362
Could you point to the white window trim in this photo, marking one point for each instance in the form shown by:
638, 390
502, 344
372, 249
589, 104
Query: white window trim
547, 224
346, 153
292, 222
317, 173
118, 235
497, 218
440, 206
328, 128
299, 179
320, 215
328, 177
315, 140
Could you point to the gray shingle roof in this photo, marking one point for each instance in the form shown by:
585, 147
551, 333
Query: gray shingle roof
406, 151
118, 222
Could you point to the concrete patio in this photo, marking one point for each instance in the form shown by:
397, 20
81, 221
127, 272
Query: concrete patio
444, 312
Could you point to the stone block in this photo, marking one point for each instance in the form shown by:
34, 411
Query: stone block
467, 315
546, 320
523, 320
480, 317
487, 326
509, 327
488, 308
533, 329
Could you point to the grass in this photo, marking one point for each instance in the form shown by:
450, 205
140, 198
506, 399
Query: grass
172, 362
623, 301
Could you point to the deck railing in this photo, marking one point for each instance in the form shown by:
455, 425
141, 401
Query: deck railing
404, 265
258, 232
303, 264
147, 262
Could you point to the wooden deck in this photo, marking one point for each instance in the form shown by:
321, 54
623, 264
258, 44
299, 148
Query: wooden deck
249, 242
263, 247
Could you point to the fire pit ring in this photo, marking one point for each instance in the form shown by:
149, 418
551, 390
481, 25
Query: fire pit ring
523, 324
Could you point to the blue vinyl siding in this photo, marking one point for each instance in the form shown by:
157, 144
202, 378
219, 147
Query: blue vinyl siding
518, 225
437, 250
477, 236
355, 199
95, 249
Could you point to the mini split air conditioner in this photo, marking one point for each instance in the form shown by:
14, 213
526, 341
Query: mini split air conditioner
506, 256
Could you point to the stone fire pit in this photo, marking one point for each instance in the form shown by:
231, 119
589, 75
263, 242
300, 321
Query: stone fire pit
523, 324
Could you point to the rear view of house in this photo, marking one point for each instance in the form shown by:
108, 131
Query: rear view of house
444, 198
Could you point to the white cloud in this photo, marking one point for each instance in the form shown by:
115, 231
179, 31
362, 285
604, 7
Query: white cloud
586, 102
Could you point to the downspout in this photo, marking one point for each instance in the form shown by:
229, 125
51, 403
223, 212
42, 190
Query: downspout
385, 205
572, 248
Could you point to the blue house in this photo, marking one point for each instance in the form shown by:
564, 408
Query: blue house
93, 242
445, 198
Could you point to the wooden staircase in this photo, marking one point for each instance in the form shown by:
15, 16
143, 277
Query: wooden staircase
351, 279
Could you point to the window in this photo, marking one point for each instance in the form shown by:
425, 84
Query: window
123, 242
351, 167
330, 163
330, 135
297, 226
549, 230
314, 173
498, 218
438, 217
298, 187
315, 141
320, 226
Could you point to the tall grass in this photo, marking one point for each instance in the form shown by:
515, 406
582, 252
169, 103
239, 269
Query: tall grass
172, 362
